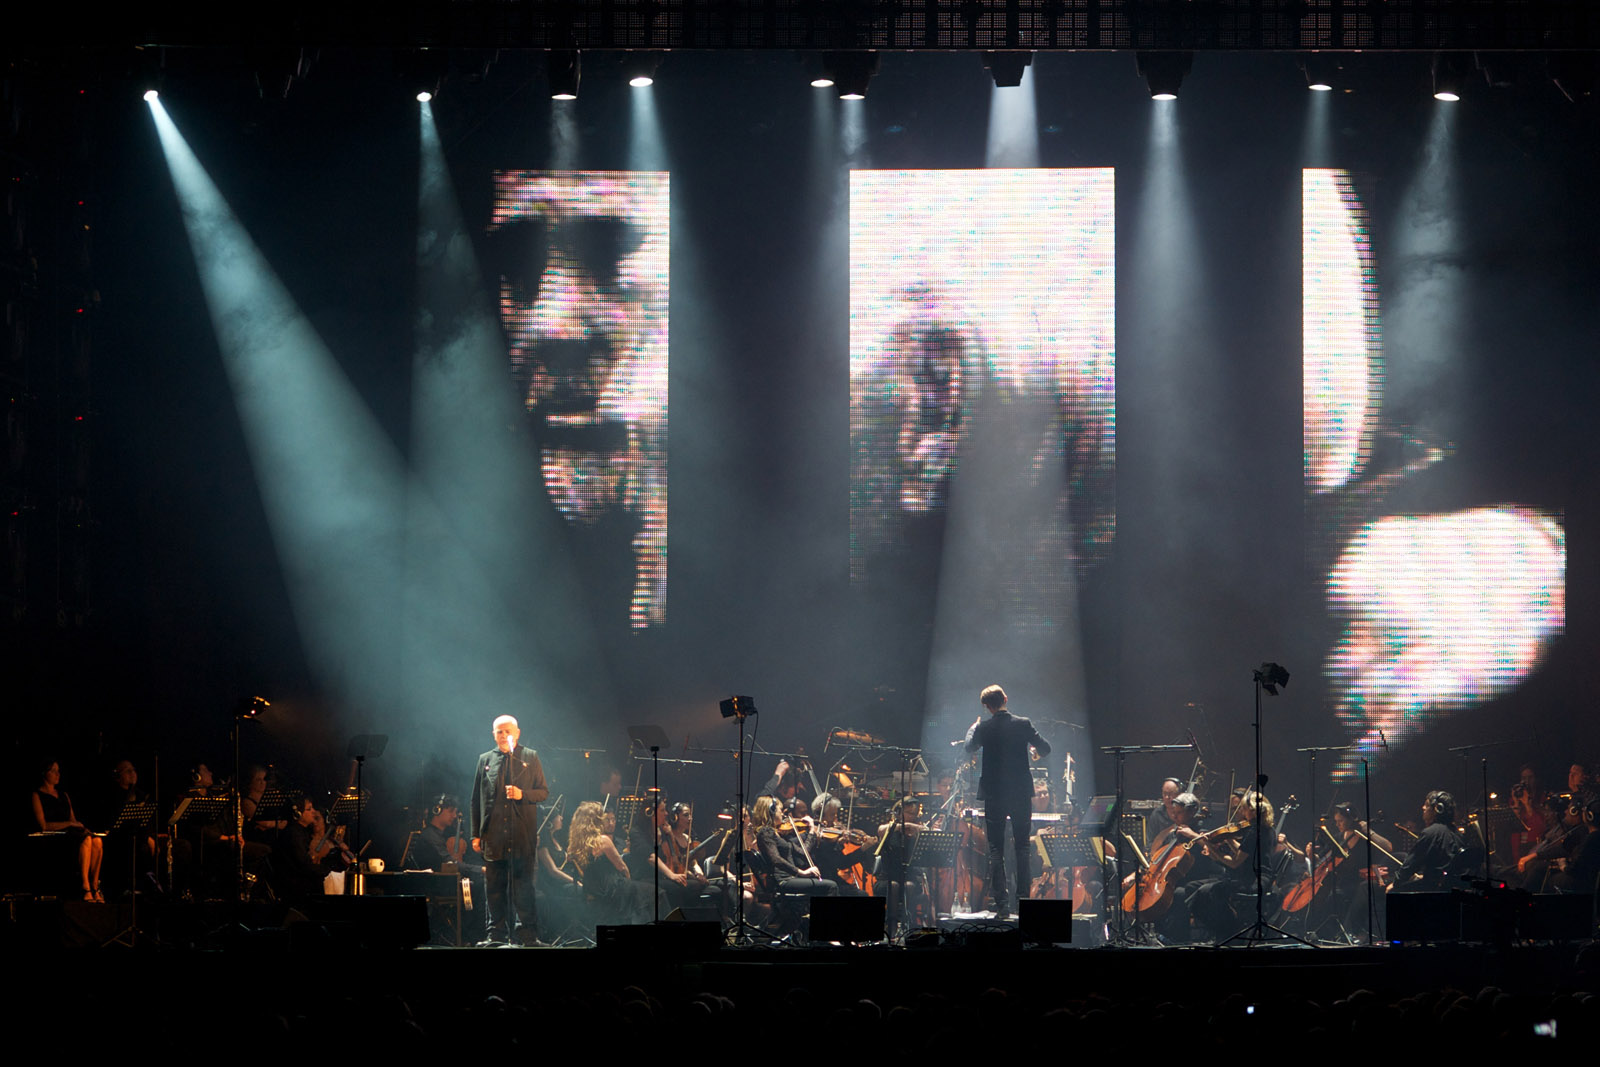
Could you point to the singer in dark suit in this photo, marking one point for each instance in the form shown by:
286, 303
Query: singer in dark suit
506, 791
1006, 783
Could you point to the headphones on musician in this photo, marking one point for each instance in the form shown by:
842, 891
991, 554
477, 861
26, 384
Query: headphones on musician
1443, 805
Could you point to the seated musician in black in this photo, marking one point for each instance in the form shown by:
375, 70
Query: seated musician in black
778, 856
830, 840
1580, 871
299, 862
1223, 902
441, 840
1559, 844
1184, 874
1428, 868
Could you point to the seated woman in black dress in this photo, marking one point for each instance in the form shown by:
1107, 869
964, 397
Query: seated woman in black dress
52, 813
593, 856
778, 858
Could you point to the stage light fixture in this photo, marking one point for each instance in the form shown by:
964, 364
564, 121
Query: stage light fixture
829, 72
424, 96
252, 707
1163, 72
1006, 67
641, 69
852, 73
565, 73
1319, 72
1449, 76
150, 95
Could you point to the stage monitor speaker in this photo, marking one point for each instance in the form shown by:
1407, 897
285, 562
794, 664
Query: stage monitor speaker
1558, 917
1045, 922
681, 940
370, 922
1422, 917
850, 919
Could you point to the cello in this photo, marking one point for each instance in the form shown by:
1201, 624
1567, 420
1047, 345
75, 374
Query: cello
1301, 896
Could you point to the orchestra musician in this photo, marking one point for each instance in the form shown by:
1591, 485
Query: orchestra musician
1527, 804
1558, 845
683, 878
1218, 903
1168, 853
52, 813
779, 853
838, 849
439, 842
1436, 850
593, 859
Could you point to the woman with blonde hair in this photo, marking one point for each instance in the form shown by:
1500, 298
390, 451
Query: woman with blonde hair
594, 858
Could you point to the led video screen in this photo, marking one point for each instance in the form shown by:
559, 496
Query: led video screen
1439, 610
983, 300
583, 301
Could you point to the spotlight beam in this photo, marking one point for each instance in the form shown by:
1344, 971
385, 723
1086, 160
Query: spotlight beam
482, 557
330, 481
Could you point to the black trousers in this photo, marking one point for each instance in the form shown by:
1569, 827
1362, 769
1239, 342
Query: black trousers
508, 891
1020, 812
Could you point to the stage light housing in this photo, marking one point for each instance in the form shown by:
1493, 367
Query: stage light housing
852, 72
1006, 67
1319, 71
424, 96
641, 67
565, 72
1449, 76
151, 96
1163, 72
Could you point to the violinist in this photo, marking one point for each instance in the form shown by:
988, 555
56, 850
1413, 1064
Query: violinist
837, 848
1527, 804
896, 838
778, 860
440, 841
304, 854
1580, 873
1219, 903
1559, 844
682, 877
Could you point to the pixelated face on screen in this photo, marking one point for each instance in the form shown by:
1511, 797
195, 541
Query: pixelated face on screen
980, 291
1442, 610
583, 299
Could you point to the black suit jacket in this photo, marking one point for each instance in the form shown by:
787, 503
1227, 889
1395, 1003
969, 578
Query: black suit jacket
500, 824
1005, 738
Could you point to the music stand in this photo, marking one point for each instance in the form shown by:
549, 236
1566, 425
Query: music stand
933, 850
135, 816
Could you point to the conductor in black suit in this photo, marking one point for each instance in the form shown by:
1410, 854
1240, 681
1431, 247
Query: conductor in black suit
506, 791
1007, 788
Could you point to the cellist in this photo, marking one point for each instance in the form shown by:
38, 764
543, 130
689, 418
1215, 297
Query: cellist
1168, 854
